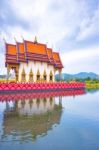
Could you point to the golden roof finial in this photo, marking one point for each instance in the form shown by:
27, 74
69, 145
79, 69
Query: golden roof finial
22, 37
4, 40
35, 40
15, 39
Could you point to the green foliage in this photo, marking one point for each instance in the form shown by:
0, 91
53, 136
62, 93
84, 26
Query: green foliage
88, 79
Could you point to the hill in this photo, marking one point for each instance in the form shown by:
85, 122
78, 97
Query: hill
81, 75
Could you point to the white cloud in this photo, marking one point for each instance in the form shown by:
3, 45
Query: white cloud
89, 27
81, 60
52, 21
2, 64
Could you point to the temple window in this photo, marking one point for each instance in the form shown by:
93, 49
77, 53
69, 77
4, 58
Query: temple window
38, 75
23, 76
44, 76
51, 76
31, 76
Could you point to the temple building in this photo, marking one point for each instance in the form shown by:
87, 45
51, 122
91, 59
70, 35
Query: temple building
32, 61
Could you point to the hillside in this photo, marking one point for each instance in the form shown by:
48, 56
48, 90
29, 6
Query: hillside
81, 75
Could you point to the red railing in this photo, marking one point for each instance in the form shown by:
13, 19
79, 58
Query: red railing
40, 86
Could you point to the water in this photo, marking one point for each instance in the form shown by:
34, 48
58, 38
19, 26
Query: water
52, 123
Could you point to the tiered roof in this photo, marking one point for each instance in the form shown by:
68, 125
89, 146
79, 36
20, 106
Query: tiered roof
50, 56
11, 54
57, 60
34, 51
21, 52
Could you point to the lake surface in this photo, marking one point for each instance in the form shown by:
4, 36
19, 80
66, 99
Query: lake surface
68, 122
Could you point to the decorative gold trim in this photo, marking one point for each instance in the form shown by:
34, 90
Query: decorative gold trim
44, 76
38, 76
23, 76
31, 76
51, 76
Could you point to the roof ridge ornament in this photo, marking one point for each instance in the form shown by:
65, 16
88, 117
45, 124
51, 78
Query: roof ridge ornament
4, 39
15, 39
35, 40
22, 37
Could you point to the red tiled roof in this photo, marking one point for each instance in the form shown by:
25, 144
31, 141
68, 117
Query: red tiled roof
57, 60
20, 47
50, 55
11, 49
11, 53
22, 52
36, 48
36, 51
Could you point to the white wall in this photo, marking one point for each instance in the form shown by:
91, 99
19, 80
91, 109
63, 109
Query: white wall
35, 66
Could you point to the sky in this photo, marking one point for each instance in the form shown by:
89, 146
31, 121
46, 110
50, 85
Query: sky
70, 27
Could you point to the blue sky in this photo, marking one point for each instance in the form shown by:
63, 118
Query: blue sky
71, 27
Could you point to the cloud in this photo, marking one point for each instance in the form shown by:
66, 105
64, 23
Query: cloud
89, 27
2, 64
8, 17
68, 25
81, 60
51, 21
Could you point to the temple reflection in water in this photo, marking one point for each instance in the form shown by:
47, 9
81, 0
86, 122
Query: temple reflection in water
35, 116
30, 115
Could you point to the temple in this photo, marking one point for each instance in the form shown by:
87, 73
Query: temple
32, 61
